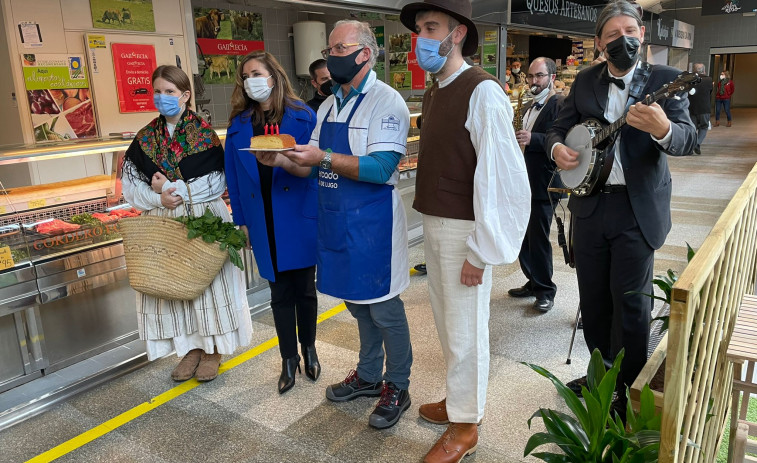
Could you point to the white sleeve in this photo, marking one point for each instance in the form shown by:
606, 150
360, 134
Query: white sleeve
501, 192
139, 194
389, 125
320, 116
203, 189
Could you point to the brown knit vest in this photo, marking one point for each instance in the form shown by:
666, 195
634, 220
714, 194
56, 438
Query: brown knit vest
447, 159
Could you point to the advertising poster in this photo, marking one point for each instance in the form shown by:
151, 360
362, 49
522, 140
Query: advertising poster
380, 67
489, 58
476, 57
399, 73
133, 65
223, 36
125, 15
490, 36
60, 102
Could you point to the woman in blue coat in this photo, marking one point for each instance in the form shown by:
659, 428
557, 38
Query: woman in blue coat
276, 210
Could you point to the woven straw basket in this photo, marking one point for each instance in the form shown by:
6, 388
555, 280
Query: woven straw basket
162, 262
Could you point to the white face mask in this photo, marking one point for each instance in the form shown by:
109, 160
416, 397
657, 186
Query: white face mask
722, 76
257, 88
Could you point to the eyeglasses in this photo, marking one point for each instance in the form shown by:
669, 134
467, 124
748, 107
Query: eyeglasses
538, 75
338, 49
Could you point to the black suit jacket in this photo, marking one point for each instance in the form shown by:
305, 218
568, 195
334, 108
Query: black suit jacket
645, 165
539, 163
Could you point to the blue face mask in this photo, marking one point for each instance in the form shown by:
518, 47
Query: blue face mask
168, 105
427, 52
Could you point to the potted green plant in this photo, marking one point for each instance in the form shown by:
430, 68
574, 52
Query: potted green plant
591, 434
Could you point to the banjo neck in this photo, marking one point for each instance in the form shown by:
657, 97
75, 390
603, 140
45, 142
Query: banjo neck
609, 130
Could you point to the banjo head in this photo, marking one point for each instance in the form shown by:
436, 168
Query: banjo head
579, 138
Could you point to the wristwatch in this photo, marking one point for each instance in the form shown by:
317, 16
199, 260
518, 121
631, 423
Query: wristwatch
326, 161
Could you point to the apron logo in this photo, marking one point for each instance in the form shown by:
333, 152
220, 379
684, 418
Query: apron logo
390, 122
323, 176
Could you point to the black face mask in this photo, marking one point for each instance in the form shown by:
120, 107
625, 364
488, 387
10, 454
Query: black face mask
343, 68
325, 88
623, 52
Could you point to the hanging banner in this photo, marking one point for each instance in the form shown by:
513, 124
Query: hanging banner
223, 36
57, 89
715, 7
123, 15
399, 66
133, 65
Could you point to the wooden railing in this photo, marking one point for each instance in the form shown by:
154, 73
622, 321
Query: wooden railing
703, 310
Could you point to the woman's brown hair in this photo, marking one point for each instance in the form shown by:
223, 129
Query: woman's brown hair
176, 76
282, 94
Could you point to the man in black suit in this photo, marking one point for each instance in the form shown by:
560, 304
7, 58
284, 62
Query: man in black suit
536, 251
617, 230
699, 105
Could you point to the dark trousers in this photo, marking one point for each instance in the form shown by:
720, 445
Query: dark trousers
613, 258
382, 326
295, 309
536, 251
726, 104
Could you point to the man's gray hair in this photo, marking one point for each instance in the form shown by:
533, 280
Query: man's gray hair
618, 8
365, 36
699, 68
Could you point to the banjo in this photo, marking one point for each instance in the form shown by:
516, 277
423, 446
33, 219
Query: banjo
594, 142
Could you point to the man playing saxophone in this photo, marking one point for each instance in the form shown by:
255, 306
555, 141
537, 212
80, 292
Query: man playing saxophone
536, 252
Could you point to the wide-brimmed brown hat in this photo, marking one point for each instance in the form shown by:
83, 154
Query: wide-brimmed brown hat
458, 9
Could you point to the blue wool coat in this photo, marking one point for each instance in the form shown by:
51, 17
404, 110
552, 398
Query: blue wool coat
294, 200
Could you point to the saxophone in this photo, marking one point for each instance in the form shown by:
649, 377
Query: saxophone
518, 117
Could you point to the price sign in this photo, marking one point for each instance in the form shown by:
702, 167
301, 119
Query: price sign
35, 203
6, 258
2, 209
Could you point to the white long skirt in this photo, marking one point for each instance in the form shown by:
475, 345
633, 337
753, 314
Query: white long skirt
219, 318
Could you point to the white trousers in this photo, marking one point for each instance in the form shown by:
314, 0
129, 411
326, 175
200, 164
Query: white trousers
461, 314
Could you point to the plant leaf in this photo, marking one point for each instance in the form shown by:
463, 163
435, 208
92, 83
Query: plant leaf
570, 397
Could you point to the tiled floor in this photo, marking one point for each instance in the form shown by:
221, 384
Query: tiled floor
240, 416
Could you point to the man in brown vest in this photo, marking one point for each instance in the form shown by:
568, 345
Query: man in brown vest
472, 189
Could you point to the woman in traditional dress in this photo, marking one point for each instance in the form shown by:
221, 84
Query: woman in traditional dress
277, 210
175, 154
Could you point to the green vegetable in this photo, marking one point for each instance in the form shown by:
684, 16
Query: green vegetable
85, 219
212, 228
19, 255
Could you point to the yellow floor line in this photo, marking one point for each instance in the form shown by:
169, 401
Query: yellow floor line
114, 423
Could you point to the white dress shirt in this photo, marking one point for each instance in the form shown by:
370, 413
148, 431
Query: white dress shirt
501, 193
616, 107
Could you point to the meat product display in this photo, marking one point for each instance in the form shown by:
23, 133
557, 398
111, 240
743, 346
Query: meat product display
82, 120
56, 227
105, 218
125, 212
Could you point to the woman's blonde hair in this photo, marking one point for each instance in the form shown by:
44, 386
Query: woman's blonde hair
282, 94
176, 76
727, 74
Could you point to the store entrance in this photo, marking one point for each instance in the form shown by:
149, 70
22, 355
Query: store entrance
743, 69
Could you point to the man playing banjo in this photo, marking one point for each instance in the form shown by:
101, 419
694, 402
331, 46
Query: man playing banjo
618, 228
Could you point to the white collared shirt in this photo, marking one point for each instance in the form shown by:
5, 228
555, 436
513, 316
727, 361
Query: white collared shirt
501, 192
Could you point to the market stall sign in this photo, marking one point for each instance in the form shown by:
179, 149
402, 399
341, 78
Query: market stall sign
683, 34
42, 71
658, 31
133, 65
6, 258
75, 237
564, 15
715, 7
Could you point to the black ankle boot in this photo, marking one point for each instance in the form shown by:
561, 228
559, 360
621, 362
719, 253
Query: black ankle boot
310, 358
288, 366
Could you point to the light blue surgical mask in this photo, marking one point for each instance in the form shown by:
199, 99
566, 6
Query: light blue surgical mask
168, 105
427, 52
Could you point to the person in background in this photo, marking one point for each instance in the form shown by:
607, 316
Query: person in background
472, 218
320, 79
362, 254
616, 231
519, 77
276, 210
699, 105
536, 252
176, 152
723, 94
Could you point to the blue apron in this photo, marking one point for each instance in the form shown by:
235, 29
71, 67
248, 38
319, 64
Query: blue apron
355, 218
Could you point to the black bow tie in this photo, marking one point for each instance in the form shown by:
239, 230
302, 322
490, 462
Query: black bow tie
538, 106
612, 80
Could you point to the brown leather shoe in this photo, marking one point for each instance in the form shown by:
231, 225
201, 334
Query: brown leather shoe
458, 441
436, 412
729, 123
717, 123
207, 370
186, 368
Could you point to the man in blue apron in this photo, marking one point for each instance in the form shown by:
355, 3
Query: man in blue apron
360, 136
